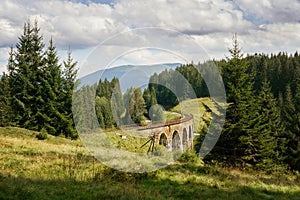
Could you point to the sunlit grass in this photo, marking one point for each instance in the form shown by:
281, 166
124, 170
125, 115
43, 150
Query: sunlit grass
58, 168
197, 109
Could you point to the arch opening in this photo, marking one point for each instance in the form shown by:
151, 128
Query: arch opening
163, 140
176, 142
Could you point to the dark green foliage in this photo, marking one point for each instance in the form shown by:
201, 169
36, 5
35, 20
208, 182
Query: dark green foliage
161, 85
262, 128
42, 93
149, 96
85, 116
137, 106
25, 77
117, 103
110, 109
265, 136
42, 135
69, 75
156, 113
50, 92
5, 101
290, 115
189, 156
104, 113
240, 111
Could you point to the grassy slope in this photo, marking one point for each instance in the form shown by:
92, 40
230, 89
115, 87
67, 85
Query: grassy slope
58, 168
188, 107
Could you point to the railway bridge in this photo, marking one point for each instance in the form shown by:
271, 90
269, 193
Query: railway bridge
176, 134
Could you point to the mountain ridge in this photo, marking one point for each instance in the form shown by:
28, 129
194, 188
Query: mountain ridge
128, 75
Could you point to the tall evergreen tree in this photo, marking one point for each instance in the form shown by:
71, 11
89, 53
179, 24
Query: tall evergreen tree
149, 96
240, 110
137, 106
117, 102
104, 113
291, 120
69, 85
24, 77
5, 101
42, 95
265, 133
50, 114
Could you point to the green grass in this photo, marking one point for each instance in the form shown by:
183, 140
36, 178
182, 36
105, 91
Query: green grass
197, 109
58, 168
171, 115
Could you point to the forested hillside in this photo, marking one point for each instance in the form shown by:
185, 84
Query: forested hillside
262, 127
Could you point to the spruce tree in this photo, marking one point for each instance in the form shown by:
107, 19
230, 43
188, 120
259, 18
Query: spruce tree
5, 101
117, 102
137, 106
24, 77
265, 133
51, 92
69, 85
291, 120
240, 111
104, 113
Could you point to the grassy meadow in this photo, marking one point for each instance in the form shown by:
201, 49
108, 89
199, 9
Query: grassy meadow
58, 168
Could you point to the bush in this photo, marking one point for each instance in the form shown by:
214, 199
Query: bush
43, 135
190, 156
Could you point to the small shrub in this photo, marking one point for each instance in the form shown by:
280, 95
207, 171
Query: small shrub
189, 156
43, 135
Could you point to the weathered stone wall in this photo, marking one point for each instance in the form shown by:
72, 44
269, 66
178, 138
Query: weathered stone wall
183, 126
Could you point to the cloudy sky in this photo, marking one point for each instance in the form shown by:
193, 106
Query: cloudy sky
103, 33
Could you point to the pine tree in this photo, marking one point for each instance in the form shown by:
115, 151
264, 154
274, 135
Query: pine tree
149, 96
24, 77
5, 101
104, 113
50, 115
137, 106
83, 106
69, 85
42, 95
266, 130
240, 111
117, 102
291, 120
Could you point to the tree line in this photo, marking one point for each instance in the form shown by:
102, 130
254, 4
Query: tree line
36, 93
262, 126
114, 109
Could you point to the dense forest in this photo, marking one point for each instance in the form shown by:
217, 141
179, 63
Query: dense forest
262, 126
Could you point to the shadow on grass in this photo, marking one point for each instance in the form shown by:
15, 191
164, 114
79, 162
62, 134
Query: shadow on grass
112, 184
223, 174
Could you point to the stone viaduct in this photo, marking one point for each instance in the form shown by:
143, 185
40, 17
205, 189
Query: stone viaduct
177, 134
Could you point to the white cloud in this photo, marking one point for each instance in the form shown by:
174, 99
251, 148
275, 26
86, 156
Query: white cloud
191, 17
207, 25
4, 54
273, 11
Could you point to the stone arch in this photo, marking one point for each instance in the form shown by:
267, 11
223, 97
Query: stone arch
163, 140
185, 143
176, 142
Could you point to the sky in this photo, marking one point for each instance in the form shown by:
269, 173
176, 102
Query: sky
103, 33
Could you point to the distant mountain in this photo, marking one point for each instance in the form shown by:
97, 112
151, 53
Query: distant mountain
129, 75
